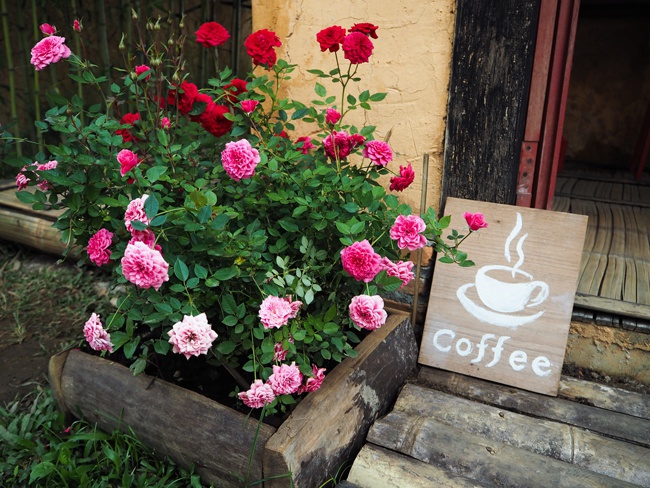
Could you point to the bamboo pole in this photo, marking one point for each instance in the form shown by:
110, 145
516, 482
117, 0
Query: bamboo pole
418, 264
11, 70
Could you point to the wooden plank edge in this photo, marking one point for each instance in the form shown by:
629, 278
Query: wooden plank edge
609, 305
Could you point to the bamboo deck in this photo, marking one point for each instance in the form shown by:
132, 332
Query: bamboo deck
615, 267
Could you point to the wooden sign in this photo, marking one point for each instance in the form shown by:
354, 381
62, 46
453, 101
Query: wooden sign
507, 318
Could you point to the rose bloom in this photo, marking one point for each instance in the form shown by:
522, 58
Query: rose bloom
475, 221
313, 383
97, 337
249, 105
407, 232
21, 180
357, 48
306, 144
330, 38
212, 34
146, 236
368, 311
379, 152
185, 94
332, 116
235, 88
143, 68
239, 159
165, 123
286, 379
400, 269
76, 25
135, 211
260, 394
49, 50
44, 185
128, 119
365, 28
341, 144
143, 266
215, 121
276, 312
259, 46
192, 336
202, 98
404, 180
98, 247
279, 352
128, 160
361, 261
47, 29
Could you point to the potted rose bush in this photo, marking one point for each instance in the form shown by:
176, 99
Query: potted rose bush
240, 227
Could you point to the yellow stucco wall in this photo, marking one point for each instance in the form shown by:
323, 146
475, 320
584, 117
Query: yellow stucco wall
410, 62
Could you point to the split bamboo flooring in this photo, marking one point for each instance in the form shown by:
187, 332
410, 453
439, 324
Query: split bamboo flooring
615, 266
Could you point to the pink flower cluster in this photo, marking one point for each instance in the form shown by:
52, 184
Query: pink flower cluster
276, 312
192, 336
143, 266
339, 144
239, 159
22, 181
399, 269
98, 247
135, 211
407, 231
97, 337
48, 50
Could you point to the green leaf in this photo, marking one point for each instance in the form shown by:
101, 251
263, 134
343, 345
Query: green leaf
155, 172
364, 96
158, 220
26, 197
41, 470
446, 260
137, 225
151, 206
162, 137
163, 307
288, 225
200, 271
226, 347
181, 270
377, 97
351, 207
162, 346
204, 214
220, 221
330, 328
224, 274
320, 90
230, 320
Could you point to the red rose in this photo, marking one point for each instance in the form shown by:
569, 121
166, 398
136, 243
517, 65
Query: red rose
212, 34
405, 178
130, 119
357, 48
330, 38
365, 28
259, 46
183, 97
235, 88
201, 98
214, 122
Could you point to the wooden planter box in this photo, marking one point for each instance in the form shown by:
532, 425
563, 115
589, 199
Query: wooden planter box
323, 432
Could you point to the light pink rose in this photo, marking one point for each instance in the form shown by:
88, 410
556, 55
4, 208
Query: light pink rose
47, 29
49, 50
332, 116
361, 261
97, 337
44, 185
98, 247
475, 221
143, 68
260, 394
368, 311
313, 383
401, 269
249, 105
128, 160
276, 312
379, 152
239, 159
192, 336
135, 211
143, 266
21, 179
286, 379
407, 232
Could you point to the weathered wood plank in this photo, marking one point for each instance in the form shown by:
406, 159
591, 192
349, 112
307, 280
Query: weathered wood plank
478, 458
320, 435
31, 230
601, 304
608, 397
376, 467
598, 420
585, 449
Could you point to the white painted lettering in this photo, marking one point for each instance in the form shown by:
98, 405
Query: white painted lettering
497, 350
481, 346
541, 362
467, 344
518, 360
442, 332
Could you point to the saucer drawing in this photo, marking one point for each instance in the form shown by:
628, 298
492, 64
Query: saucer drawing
490, 316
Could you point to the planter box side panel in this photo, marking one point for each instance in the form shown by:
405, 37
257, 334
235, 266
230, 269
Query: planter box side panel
329, 426
186, 426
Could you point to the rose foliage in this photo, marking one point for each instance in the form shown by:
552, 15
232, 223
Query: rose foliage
239, 224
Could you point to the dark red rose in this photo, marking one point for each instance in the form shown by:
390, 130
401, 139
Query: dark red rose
405, 178
356, 140
259, 46
357, 48
330, 38
215, 122
184, 97
129, 118
235, 88
365, 28
201, 98
212, 34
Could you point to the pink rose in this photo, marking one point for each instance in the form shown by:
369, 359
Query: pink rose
192, 336
306, 144
47, 29
361, 261
379, 152
49, 50
44, 185
147, 236
403, 181
248, 105
332, 116
260, 394
165, 123
21, 180
475, 221
357, 48
368, 311
135, 211
212, 34
276, 312
239, 159
143, 266
128, 160
143, 68
400, 269
339, 145
76, 25
286, 379
98, 247
407, 232
313, 383
279, 352
97, 337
